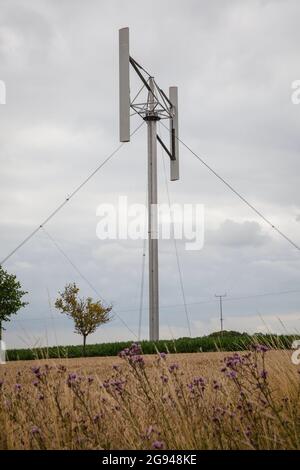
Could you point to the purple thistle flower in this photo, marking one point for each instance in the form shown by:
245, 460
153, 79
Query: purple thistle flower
137, 360
232, 362
198, 383
232, 374
158, 445
135, 349
37, 372
162, 355
118, 385
72, 378
260, 348
133, 354
18, 387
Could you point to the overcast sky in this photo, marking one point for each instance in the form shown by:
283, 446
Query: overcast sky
234, 63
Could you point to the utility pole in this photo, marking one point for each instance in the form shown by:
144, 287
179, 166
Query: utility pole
151, 118
221, 308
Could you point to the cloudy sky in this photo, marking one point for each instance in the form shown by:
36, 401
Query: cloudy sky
234, 63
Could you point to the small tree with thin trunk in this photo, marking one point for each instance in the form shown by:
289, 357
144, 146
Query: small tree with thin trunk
10, 296
86, 314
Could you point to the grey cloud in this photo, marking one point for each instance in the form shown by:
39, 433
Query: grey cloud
236, 234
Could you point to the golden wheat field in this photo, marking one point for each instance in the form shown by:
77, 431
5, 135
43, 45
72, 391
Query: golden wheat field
247, 400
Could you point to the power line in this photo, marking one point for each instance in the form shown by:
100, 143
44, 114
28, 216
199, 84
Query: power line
227, 299
258, 212
166, 306
61, 205
264, 294
59, 248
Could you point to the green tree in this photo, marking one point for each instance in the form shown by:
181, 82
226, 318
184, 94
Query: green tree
86, 314
10, 297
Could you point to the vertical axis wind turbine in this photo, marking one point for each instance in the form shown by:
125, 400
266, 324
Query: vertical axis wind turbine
156, 105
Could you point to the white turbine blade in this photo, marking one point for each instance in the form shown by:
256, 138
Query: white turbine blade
124, 96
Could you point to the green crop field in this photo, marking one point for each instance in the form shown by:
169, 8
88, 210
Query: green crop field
226, 341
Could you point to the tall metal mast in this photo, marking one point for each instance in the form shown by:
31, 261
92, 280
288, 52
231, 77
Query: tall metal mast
151, 118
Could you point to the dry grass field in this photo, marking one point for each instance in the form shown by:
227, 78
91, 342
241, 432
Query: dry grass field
180, 401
